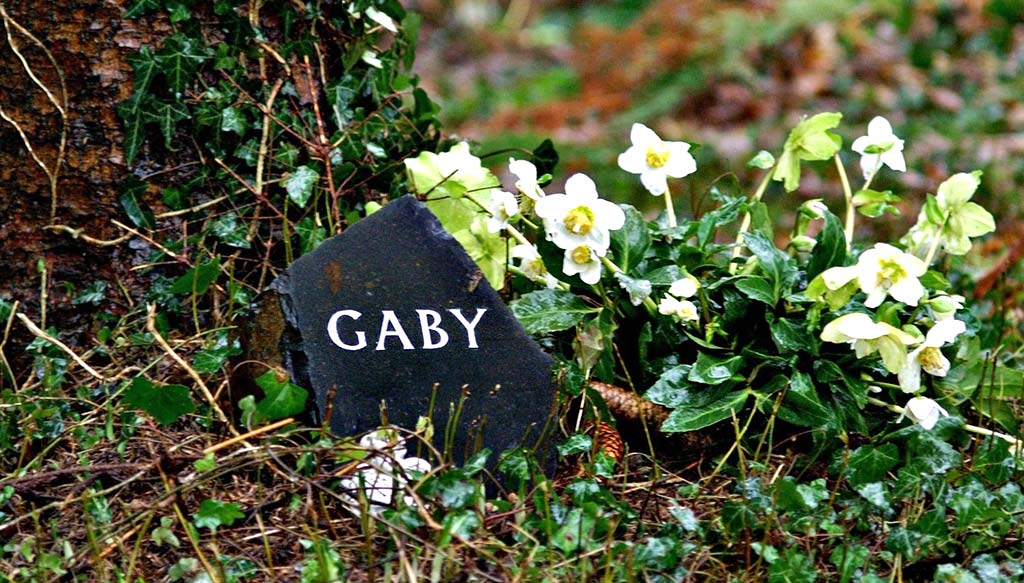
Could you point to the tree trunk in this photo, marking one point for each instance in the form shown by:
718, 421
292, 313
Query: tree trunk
62, 72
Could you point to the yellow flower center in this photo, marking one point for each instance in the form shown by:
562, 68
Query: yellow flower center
657, 156
890, 272
931, 360
579, 220
581, 254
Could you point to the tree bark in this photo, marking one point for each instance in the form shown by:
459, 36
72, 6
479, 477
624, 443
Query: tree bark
68, 55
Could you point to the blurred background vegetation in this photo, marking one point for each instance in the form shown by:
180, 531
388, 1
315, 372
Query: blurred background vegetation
734, 77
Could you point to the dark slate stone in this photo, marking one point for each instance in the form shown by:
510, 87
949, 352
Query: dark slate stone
394, 307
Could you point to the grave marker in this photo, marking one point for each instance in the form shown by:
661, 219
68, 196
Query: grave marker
394, 307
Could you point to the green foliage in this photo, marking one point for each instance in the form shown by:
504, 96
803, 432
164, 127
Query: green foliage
281, 397
166, 403
214, 514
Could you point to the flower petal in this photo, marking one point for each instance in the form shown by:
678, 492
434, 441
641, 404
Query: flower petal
643, 136
633, 160
654, 181
680, 161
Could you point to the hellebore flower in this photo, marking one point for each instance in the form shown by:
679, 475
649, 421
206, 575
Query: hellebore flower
655, 160
578, 217
685, 287
929, 356
924, 411
503, 207
880, 147
531, 264
385, 470
880, 271
951, 218
526, 173
867, 337
585, 261
684, 310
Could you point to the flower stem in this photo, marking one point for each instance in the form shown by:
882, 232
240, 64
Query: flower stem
669, 208
938, 242
851, 213
1013, 441
745, 225
874, 172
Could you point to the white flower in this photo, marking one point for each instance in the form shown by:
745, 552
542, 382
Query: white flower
879, 147
579, 217
526, 173
929, 356
684, 310
384, 471
880, 271
503, 207
924, 411
381, 19
655, 160
585, 261
371, 59
685, 287
867, 337
531, 264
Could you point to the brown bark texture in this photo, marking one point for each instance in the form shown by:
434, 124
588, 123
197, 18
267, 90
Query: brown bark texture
62, 72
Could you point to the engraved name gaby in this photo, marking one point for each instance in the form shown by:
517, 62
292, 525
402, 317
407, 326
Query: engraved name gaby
344, 332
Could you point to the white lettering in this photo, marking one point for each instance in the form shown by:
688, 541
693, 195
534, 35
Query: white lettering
469, 326
429, 320
390, 326
332, 330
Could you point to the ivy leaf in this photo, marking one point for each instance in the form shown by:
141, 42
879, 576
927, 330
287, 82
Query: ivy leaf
131, 189
869, 463
179, 59
281, 398
230, 230
550, 310
310, 234
165, 403
167, 117
300, 185
233, 119
140, 7
631, 241
213, 514
198, 279
145, 67
578, 443
130, 112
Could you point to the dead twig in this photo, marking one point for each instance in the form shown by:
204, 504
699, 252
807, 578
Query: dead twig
35, 330
151, 327
78, 234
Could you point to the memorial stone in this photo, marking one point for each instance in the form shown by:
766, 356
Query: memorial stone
393, 313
